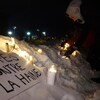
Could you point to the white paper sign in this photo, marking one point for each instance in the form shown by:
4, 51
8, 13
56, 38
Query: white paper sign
16, 75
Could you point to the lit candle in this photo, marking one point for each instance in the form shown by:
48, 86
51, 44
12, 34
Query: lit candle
40, 51
51, 75
75, 53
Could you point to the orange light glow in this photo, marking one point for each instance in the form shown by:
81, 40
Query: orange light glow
66, 46
75, 53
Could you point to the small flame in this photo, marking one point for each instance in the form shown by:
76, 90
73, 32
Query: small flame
65, 57
39, 51
53, 69
9, 46
23, 53
66, 46
26, 56
31, 60
75, 53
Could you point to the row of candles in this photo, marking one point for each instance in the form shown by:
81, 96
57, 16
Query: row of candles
51, 75
52, 71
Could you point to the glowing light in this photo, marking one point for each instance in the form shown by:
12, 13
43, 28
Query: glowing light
51, 75
23, 54
10, 33
14, 27
65, 57
12, 41
66, 46
75, 53
53, 69
26, 56
40, 51
44, 33
9, 46
61, 48
31, 60
28, 33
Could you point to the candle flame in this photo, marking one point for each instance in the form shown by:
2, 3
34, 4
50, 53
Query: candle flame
53, 69
66, 46
26, 56
22, 53
40, 51
75, 53
9, 46
65, 57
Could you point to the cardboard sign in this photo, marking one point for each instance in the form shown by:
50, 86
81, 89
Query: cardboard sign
16, 75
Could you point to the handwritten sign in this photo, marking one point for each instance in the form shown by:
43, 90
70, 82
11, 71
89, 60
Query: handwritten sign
16, 75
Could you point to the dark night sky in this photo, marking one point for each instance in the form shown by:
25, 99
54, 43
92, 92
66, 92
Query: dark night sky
47, 15
43, 14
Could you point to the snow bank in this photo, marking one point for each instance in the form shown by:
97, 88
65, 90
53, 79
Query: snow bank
73, 80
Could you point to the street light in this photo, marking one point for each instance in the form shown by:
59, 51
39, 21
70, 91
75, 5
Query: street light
28, 33
10, 33
44, 33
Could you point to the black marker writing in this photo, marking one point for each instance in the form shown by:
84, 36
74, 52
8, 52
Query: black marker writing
12, 84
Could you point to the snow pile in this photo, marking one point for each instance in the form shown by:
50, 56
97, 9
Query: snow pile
73, 76
73, 73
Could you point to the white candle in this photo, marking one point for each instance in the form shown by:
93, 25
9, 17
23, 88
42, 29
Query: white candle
51, 75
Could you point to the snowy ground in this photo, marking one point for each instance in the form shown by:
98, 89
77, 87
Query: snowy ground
73, 79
